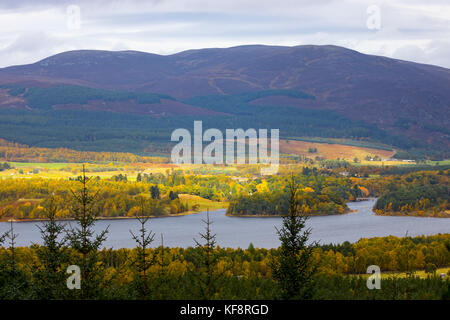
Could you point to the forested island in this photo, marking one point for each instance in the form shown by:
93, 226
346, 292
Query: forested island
318, 195
422, 194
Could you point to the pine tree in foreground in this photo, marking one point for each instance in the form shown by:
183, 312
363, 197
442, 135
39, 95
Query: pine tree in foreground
205, 275
2, 238
49, 277
293, 267
3, 277
14, 283
84, 241
143, 262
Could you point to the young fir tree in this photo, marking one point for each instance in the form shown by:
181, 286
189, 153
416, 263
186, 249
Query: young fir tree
293, 267
206, 277
155, 193
168, 283
3, 278
2, 238
143, 262
162, 263
49, 277
14, 283
84, 241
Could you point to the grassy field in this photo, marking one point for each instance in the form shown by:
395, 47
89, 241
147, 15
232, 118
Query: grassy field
41, 165
343, 141
332, 151
53, 170
203, 204
443, 162
420, 273
108, 170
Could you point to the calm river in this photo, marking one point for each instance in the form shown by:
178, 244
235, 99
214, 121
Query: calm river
239, 232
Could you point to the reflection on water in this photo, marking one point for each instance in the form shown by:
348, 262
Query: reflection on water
239, 232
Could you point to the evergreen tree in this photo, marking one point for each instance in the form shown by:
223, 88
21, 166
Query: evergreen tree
83, 240
164, 281
14, 283
206, 277
162, 261
49, 277
143, 262
173, 195
2, 238
292, 268
3, 278
154, 191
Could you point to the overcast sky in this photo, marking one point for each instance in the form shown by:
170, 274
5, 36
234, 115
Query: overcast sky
415, 30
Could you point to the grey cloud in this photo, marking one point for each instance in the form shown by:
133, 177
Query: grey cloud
173, 25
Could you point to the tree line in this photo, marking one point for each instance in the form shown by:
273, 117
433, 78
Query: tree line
318, 195
423, 193
55, 155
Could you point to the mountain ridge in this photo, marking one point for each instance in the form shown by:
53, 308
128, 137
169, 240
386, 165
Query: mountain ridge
397, 96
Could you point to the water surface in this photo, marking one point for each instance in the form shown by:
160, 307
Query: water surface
239, 232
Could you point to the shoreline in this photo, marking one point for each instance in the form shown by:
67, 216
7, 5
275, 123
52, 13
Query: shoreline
105, 218
440, 215
309, 216
281, 216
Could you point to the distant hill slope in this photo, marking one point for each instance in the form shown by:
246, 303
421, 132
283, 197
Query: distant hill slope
393, 98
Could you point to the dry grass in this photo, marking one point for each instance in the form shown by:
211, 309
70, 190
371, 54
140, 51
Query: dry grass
331, 151
420, 273
202, 203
